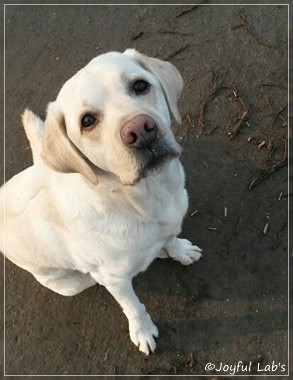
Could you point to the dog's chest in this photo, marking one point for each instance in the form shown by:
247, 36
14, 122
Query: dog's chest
126, 229
132, 222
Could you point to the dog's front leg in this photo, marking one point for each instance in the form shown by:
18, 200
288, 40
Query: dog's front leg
141, 328
183, 250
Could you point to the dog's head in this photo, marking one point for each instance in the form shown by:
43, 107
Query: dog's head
114, 115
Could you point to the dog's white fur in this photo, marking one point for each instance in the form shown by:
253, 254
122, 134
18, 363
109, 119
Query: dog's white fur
83, 214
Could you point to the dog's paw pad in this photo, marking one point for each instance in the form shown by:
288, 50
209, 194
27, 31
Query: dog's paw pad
143, 333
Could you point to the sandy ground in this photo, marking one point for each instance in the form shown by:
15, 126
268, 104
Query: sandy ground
232, 305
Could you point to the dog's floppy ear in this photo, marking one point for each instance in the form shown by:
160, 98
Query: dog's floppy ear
58, 152
168, 76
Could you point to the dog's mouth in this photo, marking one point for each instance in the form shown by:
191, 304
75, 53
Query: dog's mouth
152, 158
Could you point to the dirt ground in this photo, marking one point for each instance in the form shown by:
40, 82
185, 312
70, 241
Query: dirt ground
231, 306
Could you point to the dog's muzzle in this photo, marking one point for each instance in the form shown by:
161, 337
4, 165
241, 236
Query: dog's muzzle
148, 144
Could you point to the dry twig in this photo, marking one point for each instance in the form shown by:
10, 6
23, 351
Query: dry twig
187, 10
265, 229
172, 55
136, 36
280, 86
174, 32
245, 23
241, 119
212, 94
244, 115
278, 114
276, 166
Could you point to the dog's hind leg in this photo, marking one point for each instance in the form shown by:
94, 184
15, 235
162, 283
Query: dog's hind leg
34, 128
65, 282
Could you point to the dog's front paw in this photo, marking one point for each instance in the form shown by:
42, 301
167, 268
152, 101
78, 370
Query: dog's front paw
142, 333
184, 251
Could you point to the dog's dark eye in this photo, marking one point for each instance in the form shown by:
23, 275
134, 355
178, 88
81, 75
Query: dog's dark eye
140, 86
87, 120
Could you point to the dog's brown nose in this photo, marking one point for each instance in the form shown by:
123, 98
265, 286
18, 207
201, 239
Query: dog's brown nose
139, 132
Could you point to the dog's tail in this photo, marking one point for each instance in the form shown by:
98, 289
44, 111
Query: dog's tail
34, 129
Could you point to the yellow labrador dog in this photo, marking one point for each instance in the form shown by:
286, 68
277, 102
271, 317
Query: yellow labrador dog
105, 195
